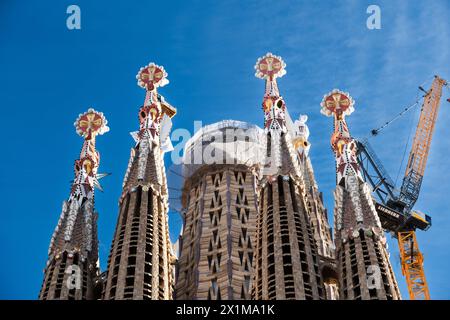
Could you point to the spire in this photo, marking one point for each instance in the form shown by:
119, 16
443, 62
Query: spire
155, 114
340, 104
73, 250
358, 231
271, 67
284, 233
348, 175
279, 144
154, 120
142, 243
88, 125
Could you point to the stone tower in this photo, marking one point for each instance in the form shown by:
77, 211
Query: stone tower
317, 210
72, 266
286, 257
140, 260
362, 259
219, 212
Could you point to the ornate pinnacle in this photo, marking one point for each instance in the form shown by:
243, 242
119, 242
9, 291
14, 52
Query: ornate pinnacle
90, 124
337, 103
151, 77
270, 67
340, 104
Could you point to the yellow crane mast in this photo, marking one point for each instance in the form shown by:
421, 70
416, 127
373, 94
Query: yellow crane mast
412, 266
410, 255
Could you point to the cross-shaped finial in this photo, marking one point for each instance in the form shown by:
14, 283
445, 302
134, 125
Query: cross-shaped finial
337, 103
270, 67
152, 76
91, 123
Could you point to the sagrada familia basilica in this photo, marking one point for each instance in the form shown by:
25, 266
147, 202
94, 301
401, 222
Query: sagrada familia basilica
254, 221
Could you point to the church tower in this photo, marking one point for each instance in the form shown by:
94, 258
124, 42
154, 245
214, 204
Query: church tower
361, 251
286, 257
219, 212
72, 266
317, 210
140, 261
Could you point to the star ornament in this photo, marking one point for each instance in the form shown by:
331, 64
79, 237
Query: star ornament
338, 103
91, 123
270, 67
152, 76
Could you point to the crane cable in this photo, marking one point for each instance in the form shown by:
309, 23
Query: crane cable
404, 150
409, 137
375, 132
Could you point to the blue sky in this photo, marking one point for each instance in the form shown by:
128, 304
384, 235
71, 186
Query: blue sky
50, 74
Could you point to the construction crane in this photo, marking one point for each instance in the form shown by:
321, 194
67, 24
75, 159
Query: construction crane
395, 207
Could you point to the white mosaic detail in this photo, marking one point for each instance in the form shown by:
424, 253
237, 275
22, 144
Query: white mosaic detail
352, 184
88, 211
71, 218
144, 149
338, 206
